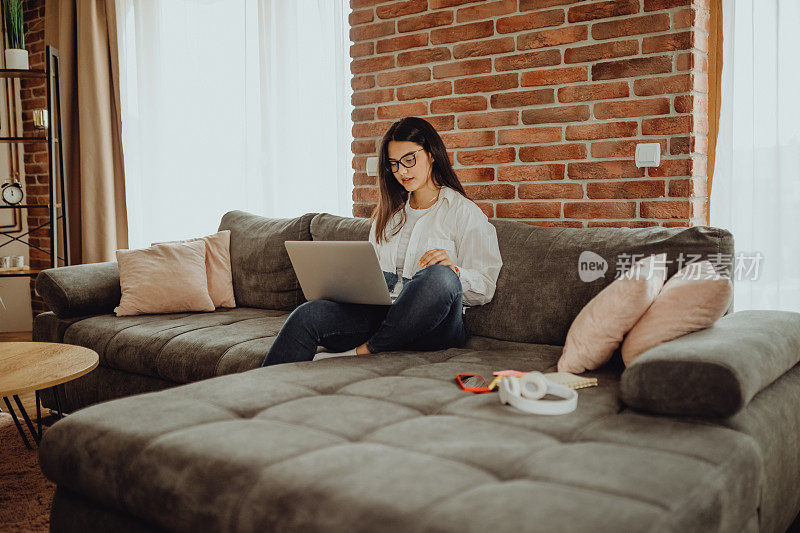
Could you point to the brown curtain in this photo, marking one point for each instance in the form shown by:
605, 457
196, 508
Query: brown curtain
714, 89
84, 32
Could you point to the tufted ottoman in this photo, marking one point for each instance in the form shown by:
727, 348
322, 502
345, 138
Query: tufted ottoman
388, 442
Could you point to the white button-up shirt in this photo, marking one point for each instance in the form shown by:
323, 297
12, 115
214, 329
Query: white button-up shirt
459, 227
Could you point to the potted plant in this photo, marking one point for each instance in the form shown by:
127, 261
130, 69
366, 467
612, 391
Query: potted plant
16, 55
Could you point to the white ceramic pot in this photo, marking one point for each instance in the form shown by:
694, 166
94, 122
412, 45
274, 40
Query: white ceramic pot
16, 58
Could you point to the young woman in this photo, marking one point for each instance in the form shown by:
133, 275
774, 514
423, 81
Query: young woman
427, 233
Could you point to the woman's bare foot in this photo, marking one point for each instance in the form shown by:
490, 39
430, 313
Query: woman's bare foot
362, 350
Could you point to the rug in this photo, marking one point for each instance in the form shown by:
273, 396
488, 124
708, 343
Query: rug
25, 494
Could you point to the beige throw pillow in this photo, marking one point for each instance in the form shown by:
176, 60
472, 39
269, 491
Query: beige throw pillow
218, 267
166, 278
691, 300
600, 326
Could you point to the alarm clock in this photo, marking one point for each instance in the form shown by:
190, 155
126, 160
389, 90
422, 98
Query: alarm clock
12, 193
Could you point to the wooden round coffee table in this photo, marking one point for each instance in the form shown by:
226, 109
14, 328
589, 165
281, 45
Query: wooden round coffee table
34, 366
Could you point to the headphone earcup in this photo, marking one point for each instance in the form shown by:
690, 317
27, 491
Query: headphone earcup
532, 385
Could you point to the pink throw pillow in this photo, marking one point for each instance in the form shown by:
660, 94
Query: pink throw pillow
218, 267
693, 299
166, 278
600, 326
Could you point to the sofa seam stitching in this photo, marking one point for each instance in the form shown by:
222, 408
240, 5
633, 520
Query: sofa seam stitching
157, 358
216, 365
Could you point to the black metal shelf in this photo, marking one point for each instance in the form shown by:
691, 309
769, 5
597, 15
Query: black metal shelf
57, 206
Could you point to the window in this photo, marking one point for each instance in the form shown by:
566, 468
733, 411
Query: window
232, 105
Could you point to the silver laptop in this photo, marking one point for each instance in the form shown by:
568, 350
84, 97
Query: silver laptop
342, 271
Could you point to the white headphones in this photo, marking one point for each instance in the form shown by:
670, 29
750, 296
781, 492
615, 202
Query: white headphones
525, 392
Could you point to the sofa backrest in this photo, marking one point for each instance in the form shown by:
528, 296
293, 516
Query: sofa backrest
539, 290
327, 227
262, 272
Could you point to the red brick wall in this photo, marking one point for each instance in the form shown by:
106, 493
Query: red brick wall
541, 102
33, 94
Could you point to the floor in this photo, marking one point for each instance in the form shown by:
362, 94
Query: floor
16, 336
25, 494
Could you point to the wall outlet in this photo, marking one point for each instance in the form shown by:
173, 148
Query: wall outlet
372, 166
648, 155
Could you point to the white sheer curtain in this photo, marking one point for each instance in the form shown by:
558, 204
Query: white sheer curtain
307, 128
232, 104
756, 188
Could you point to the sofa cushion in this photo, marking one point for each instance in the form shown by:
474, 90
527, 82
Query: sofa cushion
218, 267
262, 271
389, 442
180, 347
165, 278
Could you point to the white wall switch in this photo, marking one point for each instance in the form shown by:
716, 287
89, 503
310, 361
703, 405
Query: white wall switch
648, 155
372, 166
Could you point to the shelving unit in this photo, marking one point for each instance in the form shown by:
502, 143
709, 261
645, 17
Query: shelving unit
57, 178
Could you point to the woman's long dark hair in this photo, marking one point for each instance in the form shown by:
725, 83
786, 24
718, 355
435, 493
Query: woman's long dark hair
392, 194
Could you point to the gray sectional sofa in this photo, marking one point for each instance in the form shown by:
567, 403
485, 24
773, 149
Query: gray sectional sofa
699, 434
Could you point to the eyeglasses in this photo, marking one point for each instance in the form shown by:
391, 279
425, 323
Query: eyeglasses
408, 161
476, 383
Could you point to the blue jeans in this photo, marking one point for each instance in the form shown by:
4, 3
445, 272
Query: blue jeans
427, 315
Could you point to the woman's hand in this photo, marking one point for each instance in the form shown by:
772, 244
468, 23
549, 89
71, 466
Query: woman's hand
437, 256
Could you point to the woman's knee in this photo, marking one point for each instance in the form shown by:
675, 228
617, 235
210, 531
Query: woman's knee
308, 314
313, 308
442, 277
